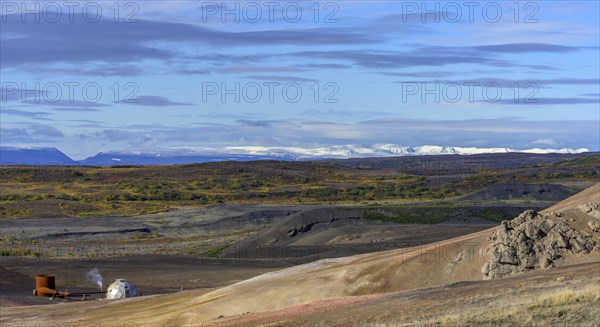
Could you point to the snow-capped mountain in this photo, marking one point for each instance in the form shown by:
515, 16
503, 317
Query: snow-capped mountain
395, 149
382, 150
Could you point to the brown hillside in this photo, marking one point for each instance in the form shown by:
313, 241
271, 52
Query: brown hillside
591, 194
450, 261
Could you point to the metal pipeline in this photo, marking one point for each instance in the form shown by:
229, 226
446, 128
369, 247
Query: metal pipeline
45, 286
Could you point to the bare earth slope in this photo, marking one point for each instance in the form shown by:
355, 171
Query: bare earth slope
380, 272
591, 194
451, 261
565, 296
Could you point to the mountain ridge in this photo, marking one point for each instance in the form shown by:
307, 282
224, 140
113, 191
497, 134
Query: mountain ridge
53, 156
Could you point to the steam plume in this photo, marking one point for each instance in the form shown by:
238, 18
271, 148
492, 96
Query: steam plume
94, 276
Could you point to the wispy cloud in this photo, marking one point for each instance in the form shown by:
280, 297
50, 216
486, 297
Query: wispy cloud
507, 83
155, 101
29, 133
526, 48
378, 59
280, 78
106, 42
548, 101
22, 113
257, 123
76, 109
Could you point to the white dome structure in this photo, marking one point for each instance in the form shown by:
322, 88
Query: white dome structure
120, 289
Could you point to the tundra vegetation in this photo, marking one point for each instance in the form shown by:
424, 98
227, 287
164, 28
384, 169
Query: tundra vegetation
81, 191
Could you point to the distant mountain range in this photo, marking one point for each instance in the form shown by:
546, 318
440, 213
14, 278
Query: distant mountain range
34, 156
381, 150
53, 156
115, 158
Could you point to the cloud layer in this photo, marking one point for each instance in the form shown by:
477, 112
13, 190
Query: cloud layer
365, 54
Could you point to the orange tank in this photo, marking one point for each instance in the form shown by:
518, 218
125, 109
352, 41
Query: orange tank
44, 285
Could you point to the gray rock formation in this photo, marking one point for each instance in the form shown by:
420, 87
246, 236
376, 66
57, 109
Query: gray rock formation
532, 241
592, 209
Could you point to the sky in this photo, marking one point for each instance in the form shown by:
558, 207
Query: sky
92, 76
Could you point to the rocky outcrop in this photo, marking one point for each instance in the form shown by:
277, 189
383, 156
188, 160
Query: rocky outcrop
533, 241
592, 209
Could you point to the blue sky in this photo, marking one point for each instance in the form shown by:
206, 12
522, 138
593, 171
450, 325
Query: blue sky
164, 75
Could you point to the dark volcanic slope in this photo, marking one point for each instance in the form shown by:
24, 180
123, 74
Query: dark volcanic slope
476, 161
340, 231
537, 192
